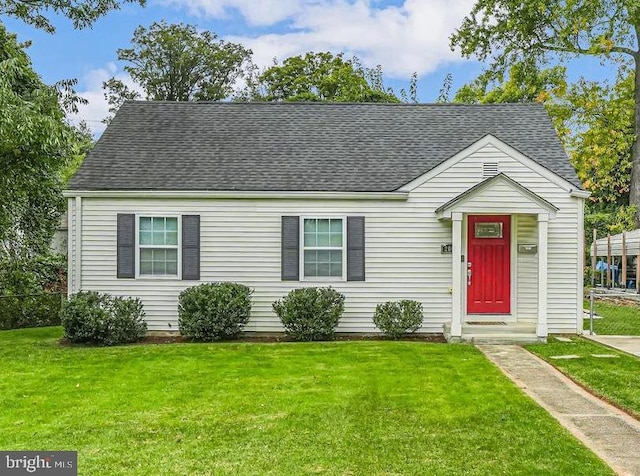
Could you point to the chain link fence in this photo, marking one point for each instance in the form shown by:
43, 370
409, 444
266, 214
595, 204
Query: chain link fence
612, 312
31, 310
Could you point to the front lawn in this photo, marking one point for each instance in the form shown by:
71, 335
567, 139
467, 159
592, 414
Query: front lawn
616, 379
325, 408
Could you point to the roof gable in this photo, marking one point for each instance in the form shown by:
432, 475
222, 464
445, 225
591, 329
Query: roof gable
332, 147
534, 201
490, 140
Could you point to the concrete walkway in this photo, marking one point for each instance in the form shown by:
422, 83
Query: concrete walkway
628, 344
610, 433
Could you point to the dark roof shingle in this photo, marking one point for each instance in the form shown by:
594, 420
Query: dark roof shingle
303, 146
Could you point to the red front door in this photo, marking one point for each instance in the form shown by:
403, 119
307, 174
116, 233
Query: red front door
489, 264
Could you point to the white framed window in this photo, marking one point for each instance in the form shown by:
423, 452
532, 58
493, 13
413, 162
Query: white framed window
158, 241
323, 248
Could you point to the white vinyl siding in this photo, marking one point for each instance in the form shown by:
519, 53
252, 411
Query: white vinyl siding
527, 269
71, 243
241, 242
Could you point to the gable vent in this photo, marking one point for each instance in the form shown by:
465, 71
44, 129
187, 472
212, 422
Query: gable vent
489, 169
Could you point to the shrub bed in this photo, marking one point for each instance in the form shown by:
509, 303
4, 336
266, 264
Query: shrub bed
214, 311
396, 319
310, 314
101, 319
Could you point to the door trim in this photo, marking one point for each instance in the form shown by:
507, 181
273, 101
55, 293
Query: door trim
512, 315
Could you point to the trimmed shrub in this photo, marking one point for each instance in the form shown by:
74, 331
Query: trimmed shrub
101, 319
396, 319
214, 311
310, 314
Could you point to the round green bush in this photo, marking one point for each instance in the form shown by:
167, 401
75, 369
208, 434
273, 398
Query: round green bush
101, 319
396, 319
310, 314
214, 311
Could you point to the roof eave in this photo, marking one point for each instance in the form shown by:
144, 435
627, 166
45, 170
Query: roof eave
236, 194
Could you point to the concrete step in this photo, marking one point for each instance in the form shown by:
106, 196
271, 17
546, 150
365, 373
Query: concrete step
510, 328
501, 338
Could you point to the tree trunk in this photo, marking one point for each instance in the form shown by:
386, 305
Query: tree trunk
634, 186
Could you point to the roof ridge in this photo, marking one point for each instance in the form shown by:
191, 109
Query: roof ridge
332, 103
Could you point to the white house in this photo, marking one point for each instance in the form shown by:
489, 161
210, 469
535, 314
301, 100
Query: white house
473, 210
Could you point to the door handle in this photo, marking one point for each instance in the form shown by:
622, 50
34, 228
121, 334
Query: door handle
469, 277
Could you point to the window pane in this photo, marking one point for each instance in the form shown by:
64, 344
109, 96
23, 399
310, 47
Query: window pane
172, 224
324, 269
146, 238
336, 226
172, 238
171, 255
158, 224
310, 239
145, 223
309, 225
158, 268
310, 270
158, 238
336, 269
336, 239
172, 267
323, 256
146, 255
323, 239
146, 267
310, 257
323, 225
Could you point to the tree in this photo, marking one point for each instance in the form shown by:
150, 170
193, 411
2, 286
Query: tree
538, 31
594, 121
319, 77
83, 13
36, 144
178, 63
526, 82
602, 145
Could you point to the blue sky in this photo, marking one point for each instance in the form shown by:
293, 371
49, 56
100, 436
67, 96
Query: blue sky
401, 35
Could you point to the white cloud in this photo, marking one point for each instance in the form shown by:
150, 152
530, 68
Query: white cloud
410, 36
90, 88
413, 36
255, 12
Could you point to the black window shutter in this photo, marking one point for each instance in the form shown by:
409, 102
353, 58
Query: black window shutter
191, 247
126, 245
355, 248
290, 255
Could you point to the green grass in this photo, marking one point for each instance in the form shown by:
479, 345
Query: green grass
616, 319
615, 379
352, 408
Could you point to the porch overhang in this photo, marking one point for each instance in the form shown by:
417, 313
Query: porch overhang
498, 195
516, 199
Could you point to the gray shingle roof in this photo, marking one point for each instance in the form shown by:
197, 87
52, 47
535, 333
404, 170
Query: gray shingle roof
302, 146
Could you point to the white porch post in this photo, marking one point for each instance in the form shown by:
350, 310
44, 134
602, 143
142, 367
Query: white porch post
456, 285
542, 329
